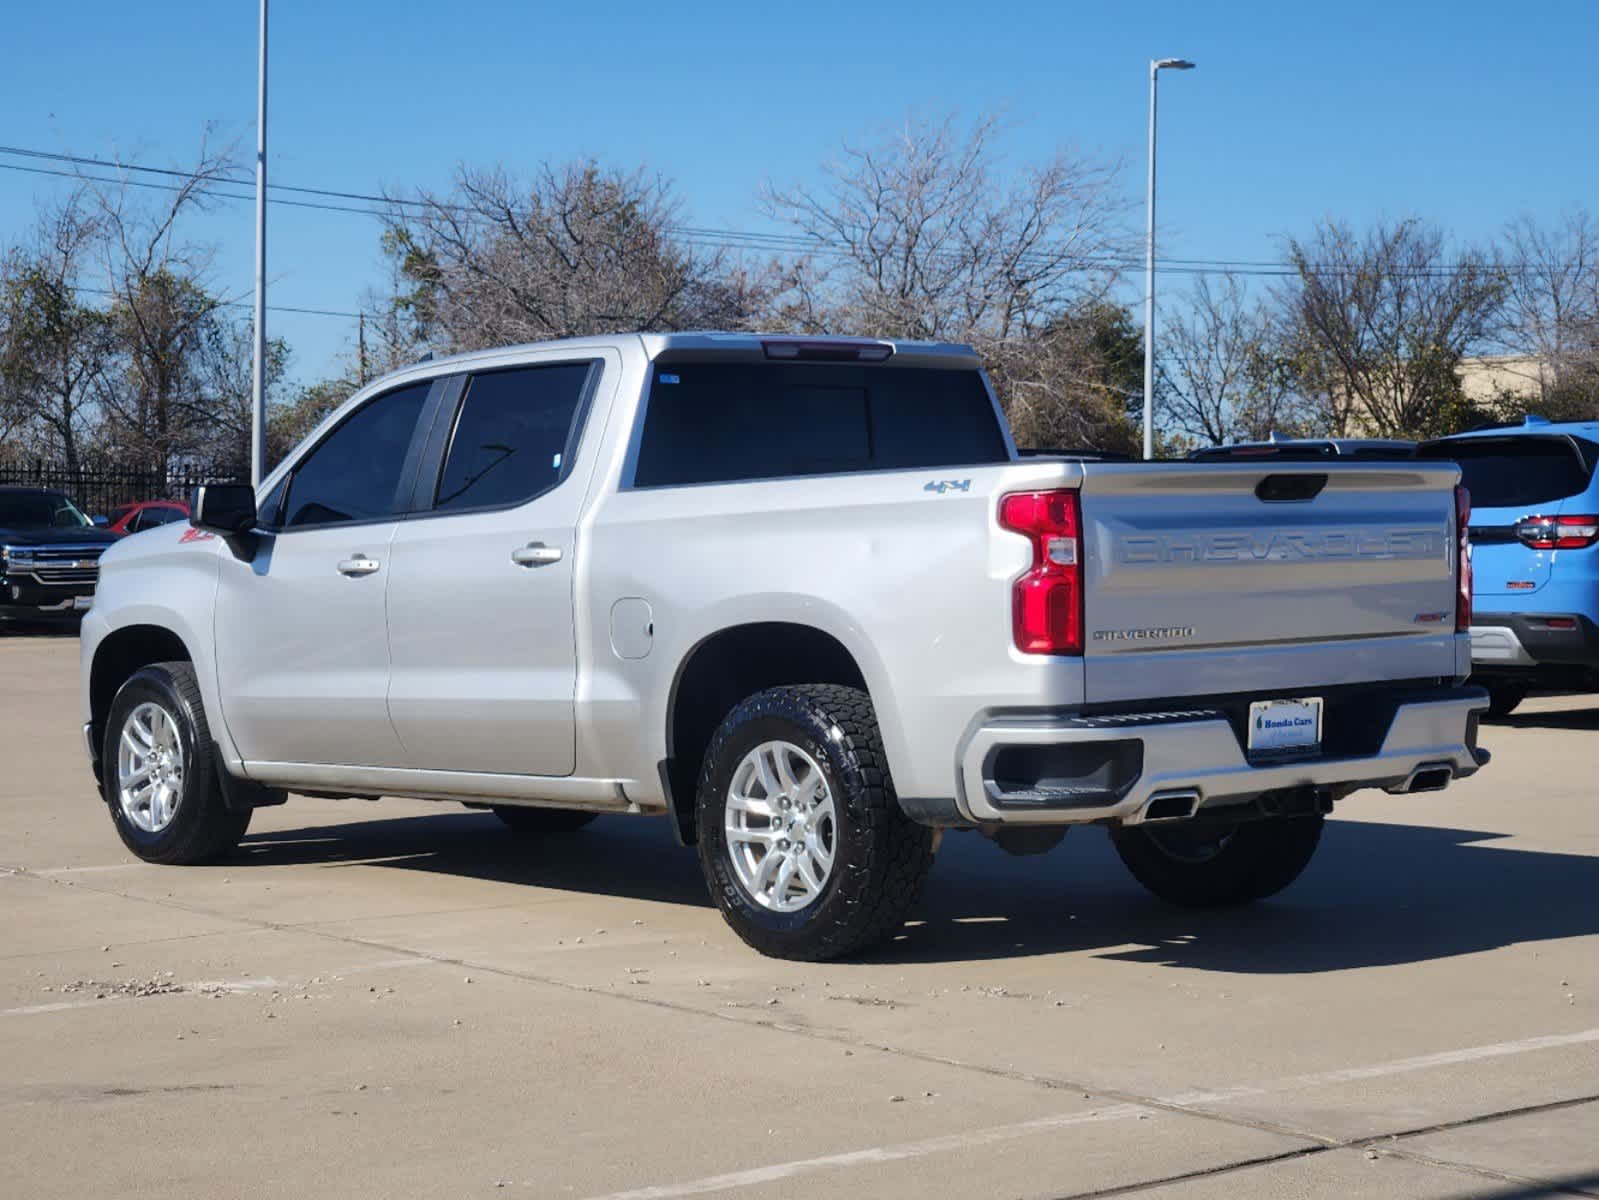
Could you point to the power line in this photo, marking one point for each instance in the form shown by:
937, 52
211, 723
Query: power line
284, 308
171, 172
702, 236
202, 190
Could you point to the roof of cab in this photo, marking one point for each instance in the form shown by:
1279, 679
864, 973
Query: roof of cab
710, 341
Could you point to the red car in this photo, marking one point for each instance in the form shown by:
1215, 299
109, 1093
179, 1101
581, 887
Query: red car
147, 514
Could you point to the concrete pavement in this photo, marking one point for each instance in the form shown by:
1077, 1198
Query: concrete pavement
405, 999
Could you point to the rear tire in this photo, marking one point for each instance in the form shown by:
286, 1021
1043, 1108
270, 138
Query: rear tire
1215, 867
160, 774
1505, 698
541, 820
797, 775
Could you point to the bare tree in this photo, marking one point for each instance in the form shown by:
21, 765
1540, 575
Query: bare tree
1078, 382
221, 370
164, 313
923, 233
1551, 313
1222, 377
1379, 322
55, 348
580, 249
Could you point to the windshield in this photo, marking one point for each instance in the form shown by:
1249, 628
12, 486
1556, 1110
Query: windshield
40, 510
1517, 472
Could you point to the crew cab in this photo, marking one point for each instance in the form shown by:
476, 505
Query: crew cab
49, 556
1535, 494
803, 599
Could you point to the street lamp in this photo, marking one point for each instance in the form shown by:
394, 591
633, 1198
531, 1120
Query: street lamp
1155, 67
258, 357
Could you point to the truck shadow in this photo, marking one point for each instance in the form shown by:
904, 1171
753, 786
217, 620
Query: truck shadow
1376, 894
1565, 718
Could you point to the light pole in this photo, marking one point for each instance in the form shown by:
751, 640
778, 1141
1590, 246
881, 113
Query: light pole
258, 372
1155, 67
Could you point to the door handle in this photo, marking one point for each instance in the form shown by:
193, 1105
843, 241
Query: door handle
359, 564
536, 554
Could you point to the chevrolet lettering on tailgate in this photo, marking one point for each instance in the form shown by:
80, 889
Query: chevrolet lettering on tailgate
1284, 545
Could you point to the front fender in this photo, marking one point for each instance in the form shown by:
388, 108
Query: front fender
165, 578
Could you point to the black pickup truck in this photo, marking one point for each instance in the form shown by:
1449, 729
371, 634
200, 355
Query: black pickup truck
49, 555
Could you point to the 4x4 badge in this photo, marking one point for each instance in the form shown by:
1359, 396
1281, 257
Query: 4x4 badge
947, 485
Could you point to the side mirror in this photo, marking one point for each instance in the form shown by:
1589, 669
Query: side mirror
100, 521
225, 508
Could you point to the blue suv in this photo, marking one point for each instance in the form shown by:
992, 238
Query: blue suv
1534, 525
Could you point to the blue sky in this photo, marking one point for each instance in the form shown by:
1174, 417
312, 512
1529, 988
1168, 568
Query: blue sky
1464, 112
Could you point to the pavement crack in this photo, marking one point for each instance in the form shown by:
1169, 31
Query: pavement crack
1317, 1143
1384, 1144
1247, 1164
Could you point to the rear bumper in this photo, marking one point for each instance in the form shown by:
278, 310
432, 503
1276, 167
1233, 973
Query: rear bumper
1531, 640
1043, 769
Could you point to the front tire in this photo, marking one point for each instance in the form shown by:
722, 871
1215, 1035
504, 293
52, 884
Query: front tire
160, 771
1210, 866
802, 841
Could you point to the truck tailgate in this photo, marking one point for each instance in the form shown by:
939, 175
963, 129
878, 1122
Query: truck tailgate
1207, 579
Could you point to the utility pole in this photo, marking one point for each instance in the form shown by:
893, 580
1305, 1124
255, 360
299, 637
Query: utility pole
360, 347
1155, 67
258, 374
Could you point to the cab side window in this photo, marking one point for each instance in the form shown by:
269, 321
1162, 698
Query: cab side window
513, 435
353, 474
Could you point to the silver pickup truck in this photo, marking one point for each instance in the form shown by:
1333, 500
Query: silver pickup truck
802, 598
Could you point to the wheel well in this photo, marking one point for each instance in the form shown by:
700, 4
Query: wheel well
724, 669
119, 656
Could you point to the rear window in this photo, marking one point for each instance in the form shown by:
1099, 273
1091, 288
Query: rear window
1522, 472
711, 422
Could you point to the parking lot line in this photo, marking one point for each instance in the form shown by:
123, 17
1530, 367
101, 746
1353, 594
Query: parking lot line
1400, 1066
877, 1154
1119, 1112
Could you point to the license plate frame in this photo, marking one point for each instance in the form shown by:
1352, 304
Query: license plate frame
1285, 726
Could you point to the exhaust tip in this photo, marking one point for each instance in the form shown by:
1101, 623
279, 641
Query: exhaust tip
1429, 777
1175, 805
1435, 779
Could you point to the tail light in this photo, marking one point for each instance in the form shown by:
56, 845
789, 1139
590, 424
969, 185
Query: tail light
1463, 549
1558, 533
1047, 601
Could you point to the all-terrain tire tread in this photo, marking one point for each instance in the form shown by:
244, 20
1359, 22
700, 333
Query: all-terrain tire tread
898, 852
210, 830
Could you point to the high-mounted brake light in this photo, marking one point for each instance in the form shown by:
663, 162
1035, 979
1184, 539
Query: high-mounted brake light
1047, 600
808, 351
1463, 559
1558, 533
